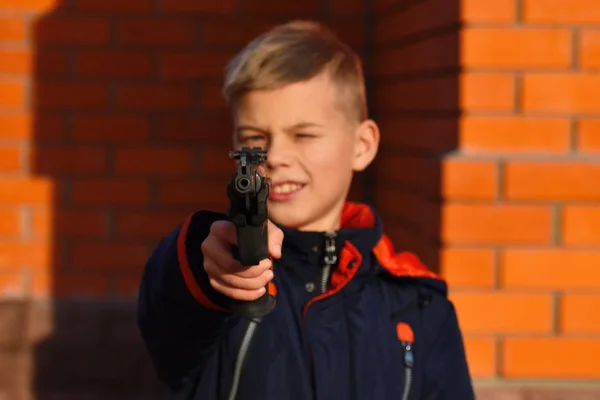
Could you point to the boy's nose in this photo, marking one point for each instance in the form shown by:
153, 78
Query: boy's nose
278, 155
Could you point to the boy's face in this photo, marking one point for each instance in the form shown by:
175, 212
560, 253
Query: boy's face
313, 150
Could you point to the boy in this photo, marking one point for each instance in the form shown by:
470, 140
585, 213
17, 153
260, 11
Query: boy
353, 319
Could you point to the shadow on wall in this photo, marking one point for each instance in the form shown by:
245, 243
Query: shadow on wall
130, 130
415, 99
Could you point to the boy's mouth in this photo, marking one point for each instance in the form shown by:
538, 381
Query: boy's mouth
285, 190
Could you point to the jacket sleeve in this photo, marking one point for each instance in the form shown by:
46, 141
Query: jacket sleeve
180, 316
447, 374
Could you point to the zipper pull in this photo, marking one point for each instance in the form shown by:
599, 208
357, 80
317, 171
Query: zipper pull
329, 260
407, 338
330, 249
408, 355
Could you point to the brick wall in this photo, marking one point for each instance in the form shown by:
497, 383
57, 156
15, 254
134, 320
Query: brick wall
489, 111
112, 129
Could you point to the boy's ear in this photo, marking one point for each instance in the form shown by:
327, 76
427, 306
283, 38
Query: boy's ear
366, 145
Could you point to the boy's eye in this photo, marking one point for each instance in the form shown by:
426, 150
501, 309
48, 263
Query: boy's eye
304, 136
252, 138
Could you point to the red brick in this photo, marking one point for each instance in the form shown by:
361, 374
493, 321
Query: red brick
127, 285
21, 255
48, 223
118, 192
488, 10
200, 129
581, 225
156, 32
215, 161
147, 225
49, 126
111, 128
193, 65
59, 285
495, 47
71, 95
298, 9
495, 224
231, 33
577, 92
22, 191
12, 94
348, 7
114, 6
60, 30
551, 357
50, 64
112, 63
558, 11
546, 269
28, 5
428, 135
486, 312
575, 316
589, 135
589, 48
481, 356
351, 32
10, 222
12, 29
108, 256
412, 208
420, 17
16, 61
514, 135
468, 267
155, 161
21, 125
475, 89
381, 5
549, 180
420, 173
211, 98
156, 96
466, 179
203, 7
197, 194
11, 159
16, 126
72, 160
438, 52
415, 95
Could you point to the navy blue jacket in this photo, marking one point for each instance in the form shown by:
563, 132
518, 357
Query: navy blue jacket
382, 326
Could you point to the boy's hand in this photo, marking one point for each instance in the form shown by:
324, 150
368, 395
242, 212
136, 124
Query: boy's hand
226, 274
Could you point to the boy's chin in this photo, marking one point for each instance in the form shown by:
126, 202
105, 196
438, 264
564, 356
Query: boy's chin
289, 217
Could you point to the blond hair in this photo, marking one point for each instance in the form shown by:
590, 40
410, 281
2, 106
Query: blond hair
295, 52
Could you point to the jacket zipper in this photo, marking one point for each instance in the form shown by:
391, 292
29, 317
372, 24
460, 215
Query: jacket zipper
329, 260
408, 368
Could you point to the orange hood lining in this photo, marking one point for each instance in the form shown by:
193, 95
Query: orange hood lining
403, 264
